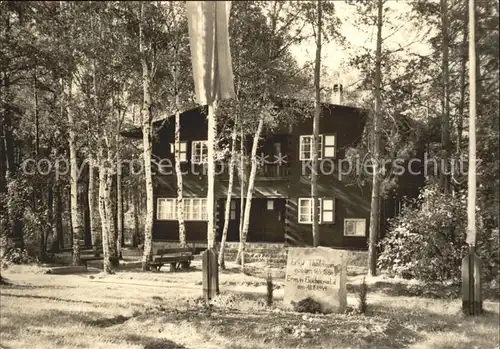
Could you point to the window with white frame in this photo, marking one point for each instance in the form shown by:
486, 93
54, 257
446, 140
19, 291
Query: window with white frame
329, 146
195, 209
166, 209
306, 147
326, 147
354, 227
326, 210
199, 152
182, 150
305, 210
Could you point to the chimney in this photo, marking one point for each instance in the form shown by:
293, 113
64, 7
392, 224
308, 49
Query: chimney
337, 92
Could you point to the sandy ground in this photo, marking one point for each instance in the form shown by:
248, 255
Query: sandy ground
132, 309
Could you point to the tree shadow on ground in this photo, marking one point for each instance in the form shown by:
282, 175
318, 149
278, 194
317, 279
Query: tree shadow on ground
433, 290
153, 343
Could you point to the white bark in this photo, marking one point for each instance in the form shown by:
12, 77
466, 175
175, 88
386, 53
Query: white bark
73, 161
212, 131
110, 222
251, 183
102, 212
177, 150
146, 119
227, 211
119, 208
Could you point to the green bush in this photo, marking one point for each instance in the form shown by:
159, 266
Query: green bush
428, 240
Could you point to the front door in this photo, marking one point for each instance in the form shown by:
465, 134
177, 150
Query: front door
233, 231
268, 221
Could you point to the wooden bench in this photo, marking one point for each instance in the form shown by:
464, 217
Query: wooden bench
178, 258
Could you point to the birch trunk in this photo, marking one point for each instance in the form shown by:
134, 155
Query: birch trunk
75, 214
375, 209
315, 142
119, 208
242, 174
212, 131
146, 119
227, 211
108, 268
251, 183
110, 222
177, 150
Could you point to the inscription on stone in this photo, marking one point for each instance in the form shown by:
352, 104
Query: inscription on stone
318, 273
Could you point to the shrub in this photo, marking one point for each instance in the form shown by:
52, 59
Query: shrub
307, 305
427, 241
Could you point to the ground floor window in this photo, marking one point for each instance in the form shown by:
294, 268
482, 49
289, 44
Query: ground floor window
232, 213
195, 209
326, 210
354, 227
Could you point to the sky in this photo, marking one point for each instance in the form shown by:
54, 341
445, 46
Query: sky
335, 57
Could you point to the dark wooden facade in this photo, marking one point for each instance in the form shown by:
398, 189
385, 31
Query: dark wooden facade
282, 183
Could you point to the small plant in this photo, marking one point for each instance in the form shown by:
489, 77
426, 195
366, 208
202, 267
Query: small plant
363, 292
307, 305
269, 283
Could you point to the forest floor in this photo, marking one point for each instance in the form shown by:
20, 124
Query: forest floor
135, 310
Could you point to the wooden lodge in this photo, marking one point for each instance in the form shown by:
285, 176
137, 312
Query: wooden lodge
281, 205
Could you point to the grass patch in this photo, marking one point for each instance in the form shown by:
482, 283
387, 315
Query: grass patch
132, 310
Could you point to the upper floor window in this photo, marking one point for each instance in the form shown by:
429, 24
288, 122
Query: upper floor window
199, 152
306, 147
326, 210
182, 150
326, 147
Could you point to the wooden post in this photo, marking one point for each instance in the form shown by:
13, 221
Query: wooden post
471, 266
210, 269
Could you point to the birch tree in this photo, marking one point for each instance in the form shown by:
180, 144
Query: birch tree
276, 72
146, 120
227, 208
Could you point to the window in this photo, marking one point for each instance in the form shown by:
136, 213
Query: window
306, 147
326, 210
232, 211
327, 145
354, 227
305, 210
329, 148
166, 209
199, 152
270, 205
182, 151
195, 209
